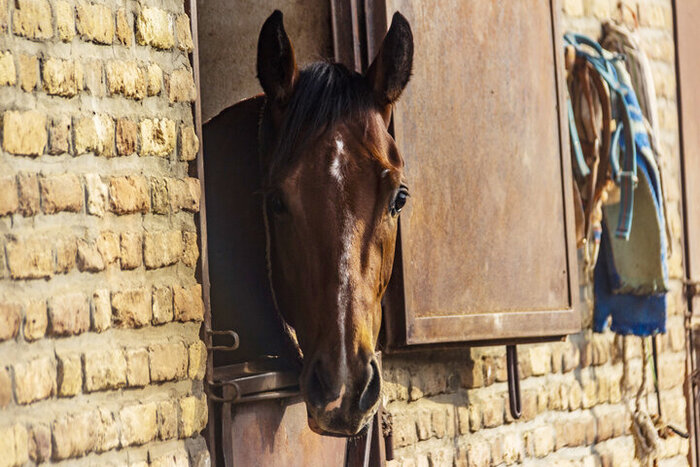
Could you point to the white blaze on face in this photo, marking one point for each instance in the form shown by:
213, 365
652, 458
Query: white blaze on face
337, 164
346, 238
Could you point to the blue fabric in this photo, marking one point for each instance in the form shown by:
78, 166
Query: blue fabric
641, 315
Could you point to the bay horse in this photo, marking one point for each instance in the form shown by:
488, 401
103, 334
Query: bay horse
333, 185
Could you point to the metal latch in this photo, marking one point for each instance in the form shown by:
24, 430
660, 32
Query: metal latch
223, 348
516, 407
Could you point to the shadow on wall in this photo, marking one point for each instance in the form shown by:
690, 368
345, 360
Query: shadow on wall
228, 36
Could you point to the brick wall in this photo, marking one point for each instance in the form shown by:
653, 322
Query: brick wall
100, 360
451, 408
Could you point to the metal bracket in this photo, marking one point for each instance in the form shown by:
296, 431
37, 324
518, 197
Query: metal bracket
224, 348
252, 381
691, 288
516, 408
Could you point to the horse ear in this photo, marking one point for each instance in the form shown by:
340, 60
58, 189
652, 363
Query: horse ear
277, 68
391, 69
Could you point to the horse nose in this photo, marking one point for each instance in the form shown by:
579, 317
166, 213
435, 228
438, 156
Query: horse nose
370, 393
318, 389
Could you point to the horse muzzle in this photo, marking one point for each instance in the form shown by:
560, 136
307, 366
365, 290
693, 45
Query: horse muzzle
341, 406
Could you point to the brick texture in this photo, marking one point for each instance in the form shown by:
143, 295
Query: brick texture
96, 120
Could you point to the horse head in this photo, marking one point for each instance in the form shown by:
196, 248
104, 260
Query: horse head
334, 187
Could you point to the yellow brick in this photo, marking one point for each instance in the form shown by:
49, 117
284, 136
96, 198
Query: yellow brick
153, 28
132, 308
8, 73
162, 305
32, 19
75, 434
155, 79
193, 415
182, 88
95, 134
61, 193
162, 249
70, 374
123, 29
139, 424
198, 360
126, 78
104, 369
131, 250
128, 194
62, 77
9, 196
10, 316
24, 132
29, 259
28, 72
69, 314
158, 137
36, 320
187, 303
190, 251
189, 143
184, 194
183, 32
168, 361
65, 20
35, 380
95, 22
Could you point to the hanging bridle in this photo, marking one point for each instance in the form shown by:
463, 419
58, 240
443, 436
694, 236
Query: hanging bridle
288, 329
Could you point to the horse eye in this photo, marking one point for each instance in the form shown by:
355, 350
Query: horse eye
276, 204
399, 201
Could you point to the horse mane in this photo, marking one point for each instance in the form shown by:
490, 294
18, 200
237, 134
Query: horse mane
324, 94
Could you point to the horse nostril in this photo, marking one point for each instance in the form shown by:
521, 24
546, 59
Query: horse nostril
316, 388
370, 395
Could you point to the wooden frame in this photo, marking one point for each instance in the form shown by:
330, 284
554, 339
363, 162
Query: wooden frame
686, 36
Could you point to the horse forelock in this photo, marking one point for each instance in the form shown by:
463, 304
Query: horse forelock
324, 94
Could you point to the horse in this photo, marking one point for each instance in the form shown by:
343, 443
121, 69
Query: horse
333, 187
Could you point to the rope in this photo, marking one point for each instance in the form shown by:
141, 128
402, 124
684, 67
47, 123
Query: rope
646, 437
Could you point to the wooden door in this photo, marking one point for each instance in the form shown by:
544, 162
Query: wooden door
487, 248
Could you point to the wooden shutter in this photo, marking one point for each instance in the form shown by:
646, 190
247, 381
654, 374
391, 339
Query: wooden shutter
688, 37
486, 242
687, 15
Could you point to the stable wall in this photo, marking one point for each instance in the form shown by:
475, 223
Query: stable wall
228, 32
451, 407
100, 311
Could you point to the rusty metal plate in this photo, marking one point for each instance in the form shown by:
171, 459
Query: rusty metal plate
688, 37
275, 433
484, 242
